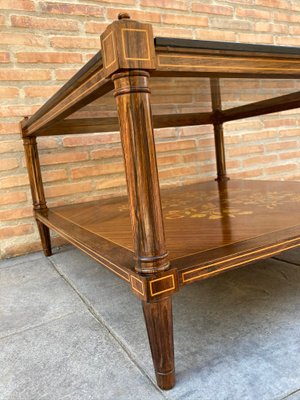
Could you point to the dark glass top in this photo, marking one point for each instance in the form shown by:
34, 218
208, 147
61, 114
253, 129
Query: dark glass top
225, 46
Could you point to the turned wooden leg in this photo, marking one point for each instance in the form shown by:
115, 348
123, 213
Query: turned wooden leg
159, 323
37, 189
45, 238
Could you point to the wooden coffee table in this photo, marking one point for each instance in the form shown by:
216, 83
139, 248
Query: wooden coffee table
161, 240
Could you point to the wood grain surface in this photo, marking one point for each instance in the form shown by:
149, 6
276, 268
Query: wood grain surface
199, 217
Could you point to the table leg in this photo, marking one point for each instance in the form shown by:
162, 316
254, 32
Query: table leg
159, 323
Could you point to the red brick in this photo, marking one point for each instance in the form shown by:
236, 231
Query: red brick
15, 214
290, 132
173, 32
75, 42
144, 16
233, 164
61, 158
168, 159
13, 181
13, 250
23, 21
175, 145
281, 16
245, 150
19, 230
90, 140
243, 2
258, 160
289, 155
7, 164
17, 110
64, 74
56, 175
106, 153
4, 57
273, 3
206, 143
47, 57
210, 9
24, 5
12, 198
233, 25
252, 13
288, 40
11, 146
271, 123
263, 27
294, 30
72, 9
280, 28
176, 172
8, 92
40, 91
95, 27
45, 142
280, 146
200, 156
196, 130
7, 128
165, 4
232, 139
25, 75
23, 39
181, 20
110, 183
165, 133
103, 169
259, 136
280, 169
256, 38
254, 125
127, 2
253, 173
67, 189
205, 34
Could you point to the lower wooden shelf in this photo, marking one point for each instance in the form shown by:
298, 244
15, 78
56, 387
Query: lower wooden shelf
210, 228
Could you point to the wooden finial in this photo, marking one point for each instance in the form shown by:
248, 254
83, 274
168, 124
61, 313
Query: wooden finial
124, 16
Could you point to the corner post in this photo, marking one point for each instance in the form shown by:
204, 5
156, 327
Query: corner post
218, 130
128, 54
37, 189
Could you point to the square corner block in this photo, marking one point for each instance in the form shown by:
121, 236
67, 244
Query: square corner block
127, 44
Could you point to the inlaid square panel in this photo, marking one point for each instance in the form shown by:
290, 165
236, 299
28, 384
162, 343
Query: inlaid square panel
131, 43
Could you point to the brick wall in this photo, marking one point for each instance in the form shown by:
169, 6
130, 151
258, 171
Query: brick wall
43, 43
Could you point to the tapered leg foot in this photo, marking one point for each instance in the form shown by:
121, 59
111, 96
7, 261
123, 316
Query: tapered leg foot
159, 323
45, 238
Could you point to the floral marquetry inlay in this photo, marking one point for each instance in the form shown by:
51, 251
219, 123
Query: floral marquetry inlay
218, 205
215, 206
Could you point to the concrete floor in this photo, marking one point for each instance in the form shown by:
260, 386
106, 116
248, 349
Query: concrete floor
69, 329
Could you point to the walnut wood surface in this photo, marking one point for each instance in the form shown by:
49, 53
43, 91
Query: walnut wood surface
269, 106
94, 64
158, 319
203, 222
208, 228
37, 190
216, 102
92, 88
109, 124
132, 96
178, 62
